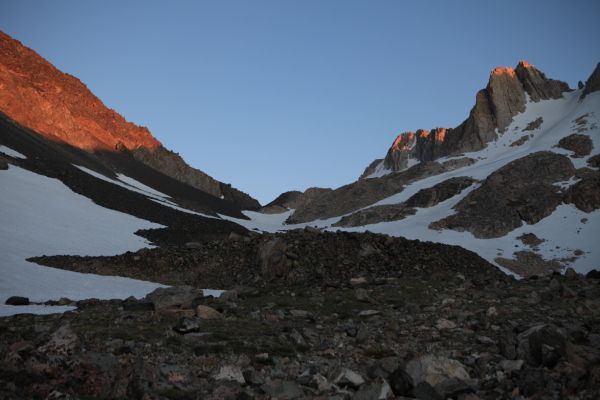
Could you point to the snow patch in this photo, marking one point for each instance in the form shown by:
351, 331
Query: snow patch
46, 217
10, 152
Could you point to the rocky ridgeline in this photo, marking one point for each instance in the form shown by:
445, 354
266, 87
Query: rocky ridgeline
365, 192
60, 107
386, 320
504, 97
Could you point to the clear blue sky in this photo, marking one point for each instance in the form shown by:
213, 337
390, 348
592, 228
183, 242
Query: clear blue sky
279, 95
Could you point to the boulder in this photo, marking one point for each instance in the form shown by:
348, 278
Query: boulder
188, 325
378, 390
230, 373
593, 274
63, 341
437, 371
579, 144
542, 345
17, 301
280, 389
594, 161
174, 297
272, 258
585, 194
206, 312
401, 382
348, 378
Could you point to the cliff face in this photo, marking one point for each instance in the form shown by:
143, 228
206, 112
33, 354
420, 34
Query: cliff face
504, 97
60, 107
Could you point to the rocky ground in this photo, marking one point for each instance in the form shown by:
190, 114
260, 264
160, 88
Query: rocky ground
312, 315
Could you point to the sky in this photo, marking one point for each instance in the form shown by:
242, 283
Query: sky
280, 95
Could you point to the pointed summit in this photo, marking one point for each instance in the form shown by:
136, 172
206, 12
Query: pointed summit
506, 95
537, 86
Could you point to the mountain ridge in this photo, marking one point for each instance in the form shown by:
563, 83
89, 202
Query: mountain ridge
59, 106
504, 96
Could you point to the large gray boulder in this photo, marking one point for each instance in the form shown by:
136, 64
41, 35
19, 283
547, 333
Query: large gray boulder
174, 297
543, 345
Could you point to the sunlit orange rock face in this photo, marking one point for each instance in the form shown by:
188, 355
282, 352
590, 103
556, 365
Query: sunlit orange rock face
60, 107
505, 96
57, 105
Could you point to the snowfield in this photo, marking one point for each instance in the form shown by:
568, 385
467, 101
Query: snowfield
46, 217
566, 231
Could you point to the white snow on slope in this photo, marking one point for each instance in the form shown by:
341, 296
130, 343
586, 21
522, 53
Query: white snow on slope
127, 183
174, 206
563, 230
380, 170
42, 216
10, 152
138, 187
275, 222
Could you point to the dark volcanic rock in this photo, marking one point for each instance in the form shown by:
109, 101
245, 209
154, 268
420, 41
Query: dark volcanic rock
579, 144
593, 82
3, 163
585, 194
520, 191
17, 301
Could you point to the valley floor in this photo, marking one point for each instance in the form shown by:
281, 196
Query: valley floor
313, 315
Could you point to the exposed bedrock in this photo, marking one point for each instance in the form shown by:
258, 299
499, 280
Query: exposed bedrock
521, 191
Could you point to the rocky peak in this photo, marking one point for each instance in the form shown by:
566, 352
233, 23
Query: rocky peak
60, 107
505, 96
537, 86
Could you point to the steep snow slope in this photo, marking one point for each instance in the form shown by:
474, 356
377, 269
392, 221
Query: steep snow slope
43, 216
565, 235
